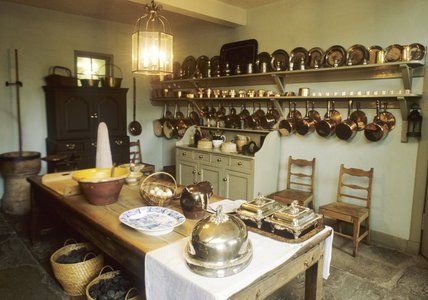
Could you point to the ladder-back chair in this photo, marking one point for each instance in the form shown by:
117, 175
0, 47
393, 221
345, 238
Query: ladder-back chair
352, 213
305, 181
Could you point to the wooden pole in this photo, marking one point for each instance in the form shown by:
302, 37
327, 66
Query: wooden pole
18, 84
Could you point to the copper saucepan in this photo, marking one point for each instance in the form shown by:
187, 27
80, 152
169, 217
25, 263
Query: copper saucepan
378, 129
348, 128
251, 120
170, 126
326, 127
359, 117
387, 117
307, 124
287, 126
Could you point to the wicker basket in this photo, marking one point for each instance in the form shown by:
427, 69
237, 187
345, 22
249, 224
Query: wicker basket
105, 276
155, 200
75, 277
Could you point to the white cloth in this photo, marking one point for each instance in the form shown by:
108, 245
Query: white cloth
168, 277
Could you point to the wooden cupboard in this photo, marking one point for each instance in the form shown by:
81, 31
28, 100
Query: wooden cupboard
233, 176
73, 115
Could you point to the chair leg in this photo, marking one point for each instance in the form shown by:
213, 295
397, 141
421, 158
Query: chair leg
368, 238
355, 236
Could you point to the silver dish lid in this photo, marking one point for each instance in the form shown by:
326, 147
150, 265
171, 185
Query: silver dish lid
219, 246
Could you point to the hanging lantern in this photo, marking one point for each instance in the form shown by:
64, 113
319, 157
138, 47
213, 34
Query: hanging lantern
414, 128
152, 43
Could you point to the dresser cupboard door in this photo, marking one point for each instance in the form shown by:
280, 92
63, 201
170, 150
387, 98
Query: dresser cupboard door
237, 185
212, 175
112, 111
186, 172
74, 118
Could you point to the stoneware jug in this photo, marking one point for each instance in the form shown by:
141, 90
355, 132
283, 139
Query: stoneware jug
195, 198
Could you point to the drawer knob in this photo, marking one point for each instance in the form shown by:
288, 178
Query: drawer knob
199, 173
239, 163
224, 179
94, 116
219, 159
184, 154
118, 142
194, 172
201, 156
70, 146
93, 144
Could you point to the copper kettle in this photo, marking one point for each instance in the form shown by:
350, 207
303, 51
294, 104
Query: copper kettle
195, 199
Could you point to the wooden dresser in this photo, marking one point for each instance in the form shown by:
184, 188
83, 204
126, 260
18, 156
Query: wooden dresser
73, 115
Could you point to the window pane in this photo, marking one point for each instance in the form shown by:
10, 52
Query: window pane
99, 66
84, 66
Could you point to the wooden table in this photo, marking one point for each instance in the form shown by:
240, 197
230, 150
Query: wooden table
101, 226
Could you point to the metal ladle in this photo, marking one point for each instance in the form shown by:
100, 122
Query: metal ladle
134, 127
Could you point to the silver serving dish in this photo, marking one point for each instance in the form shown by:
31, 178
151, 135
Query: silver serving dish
258, 209
294, 219
219, 246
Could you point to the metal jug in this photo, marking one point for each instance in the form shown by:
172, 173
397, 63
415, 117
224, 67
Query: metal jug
195, 198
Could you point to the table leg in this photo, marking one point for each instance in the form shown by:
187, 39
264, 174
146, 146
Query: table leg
314, 280
35, 220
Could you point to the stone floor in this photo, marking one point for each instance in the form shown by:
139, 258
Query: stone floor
377, 273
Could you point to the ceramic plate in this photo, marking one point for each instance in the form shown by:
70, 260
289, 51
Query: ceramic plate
229, 206
176, 67
152, 220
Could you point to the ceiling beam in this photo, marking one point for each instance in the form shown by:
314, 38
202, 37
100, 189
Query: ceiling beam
208, 10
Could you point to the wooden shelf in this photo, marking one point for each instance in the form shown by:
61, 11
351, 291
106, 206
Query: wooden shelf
345, 73
261, 131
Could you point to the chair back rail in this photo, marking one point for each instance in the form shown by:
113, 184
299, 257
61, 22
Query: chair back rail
355, 173
309, 164
135, 152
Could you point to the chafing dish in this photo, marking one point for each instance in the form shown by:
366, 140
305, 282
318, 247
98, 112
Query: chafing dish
258, 209
219, 246
294, 219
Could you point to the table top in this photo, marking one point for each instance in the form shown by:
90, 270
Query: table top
106, 217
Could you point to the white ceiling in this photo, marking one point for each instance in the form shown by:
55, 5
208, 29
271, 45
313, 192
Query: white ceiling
248, 3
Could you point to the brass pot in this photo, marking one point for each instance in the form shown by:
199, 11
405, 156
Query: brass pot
89, 82
111, 82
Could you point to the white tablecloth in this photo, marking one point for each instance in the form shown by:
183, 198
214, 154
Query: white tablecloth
167, 276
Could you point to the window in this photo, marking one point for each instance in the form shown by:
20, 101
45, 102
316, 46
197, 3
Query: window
92, 65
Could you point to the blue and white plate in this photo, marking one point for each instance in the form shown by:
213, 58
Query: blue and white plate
152, 220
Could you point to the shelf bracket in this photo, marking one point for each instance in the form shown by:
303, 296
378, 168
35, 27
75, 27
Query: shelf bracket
404, 109
407, 76
278, 107
280, 83
195, 84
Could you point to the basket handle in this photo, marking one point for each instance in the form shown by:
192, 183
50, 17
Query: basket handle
87, 254
61, 68
104, 268
158, 173
129, 292
113, 65
69, 240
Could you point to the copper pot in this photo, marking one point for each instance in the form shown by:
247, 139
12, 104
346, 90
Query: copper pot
348, 128
158, 124
251, 121
287, 126
170, 126
359, 117
307, 124
387, 117
326, 127
378, 129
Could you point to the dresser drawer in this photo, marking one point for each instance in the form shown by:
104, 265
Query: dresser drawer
219, 160
69, 146
184, 154
200, 156
241, 164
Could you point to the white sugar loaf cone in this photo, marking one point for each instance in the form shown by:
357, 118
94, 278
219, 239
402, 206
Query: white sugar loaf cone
103, 159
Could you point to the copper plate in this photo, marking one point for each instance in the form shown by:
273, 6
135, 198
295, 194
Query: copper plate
417, 51
189, 67
393, 53
280, 57
264, 57
316, 54
202, 64
297, 54
357, 54
373, 50
335, 53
